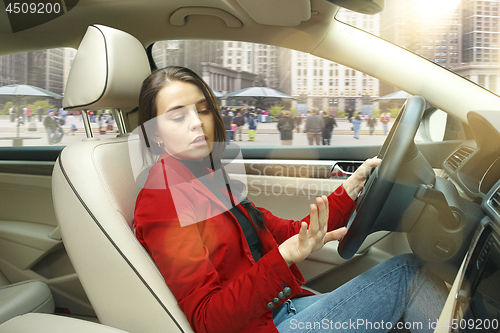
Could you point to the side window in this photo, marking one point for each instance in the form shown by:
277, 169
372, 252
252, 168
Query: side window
31, 91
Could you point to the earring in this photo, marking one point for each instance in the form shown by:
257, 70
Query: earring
159, 143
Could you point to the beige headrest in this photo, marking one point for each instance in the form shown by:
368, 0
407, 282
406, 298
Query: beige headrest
107, 71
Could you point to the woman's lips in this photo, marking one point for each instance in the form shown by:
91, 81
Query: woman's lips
199, 141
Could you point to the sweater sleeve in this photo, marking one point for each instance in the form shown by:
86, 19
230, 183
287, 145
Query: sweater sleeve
340, 207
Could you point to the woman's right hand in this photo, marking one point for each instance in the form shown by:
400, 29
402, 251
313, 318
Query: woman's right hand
298, 247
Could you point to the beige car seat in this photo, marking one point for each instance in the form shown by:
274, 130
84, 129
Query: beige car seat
94, 191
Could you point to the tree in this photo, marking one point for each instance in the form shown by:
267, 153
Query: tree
394, 112
6, 108
275, 110
44, 104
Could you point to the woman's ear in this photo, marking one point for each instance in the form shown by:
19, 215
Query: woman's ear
156, 139
154, 136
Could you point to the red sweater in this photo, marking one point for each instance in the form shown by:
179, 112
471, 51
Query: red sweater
206, 262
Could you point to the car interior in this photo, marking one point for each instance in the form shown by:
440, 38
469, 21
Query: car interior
71, 260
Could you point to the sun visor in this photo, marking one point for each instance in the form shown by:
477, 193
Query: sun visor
265, 11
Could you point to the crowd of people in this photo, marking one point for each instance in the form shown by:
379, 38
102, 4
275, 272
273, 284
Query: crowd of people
24, 113
234, 121
318, 126
371, 122
54, 120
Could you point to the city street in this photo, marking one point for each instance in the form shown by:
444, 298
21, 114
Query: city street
267, 134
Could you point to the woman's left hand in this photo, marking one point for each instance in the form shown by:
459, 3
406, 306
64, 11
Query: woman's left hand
310, 238
354, 184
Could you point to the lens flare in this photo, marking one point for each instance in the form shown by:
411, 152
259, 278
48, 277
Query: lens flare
436, 7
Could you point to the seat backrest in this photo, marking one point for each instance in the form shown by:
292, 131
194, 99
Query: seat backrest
94, 193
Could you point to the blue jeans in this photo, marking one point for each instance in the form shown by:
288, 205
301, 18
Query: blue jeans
372, 302
50, 135
356, 132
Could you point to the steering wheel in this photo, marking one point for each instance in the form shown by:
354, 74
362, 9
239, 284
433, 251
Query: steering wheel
398, 144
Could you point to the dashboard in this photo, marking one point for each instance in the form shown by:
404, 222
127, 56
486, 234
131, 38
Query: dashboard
475, 165
474, 168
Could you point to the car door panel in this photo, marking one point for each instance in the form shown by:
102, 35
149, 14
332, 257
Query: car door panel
30, 243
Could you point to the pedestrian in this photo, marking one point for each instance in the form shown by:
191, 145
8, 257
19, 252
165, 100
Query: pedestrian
252, 127
298, 121
40, 113
29, 114
233, 130
239, 121
350, 113
286, 126
100, 122
59, 133
25, 111
20, 113
328, 128
372, 122
92, 116
385, 122
314, 126
51, 126
63, 113
356, 126
70, 121
12, 114
334, 121
110, 122
227, 124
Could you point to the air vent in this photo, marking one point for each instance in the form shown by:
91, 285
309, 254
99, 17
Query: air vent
458, 157
495, 201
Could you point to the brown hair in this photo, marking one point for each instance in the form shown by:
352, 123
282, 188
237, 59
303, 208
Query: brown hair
148, 111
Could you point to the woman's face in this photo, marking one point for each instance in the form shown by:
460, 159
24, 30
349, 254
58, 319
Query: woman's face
185, 123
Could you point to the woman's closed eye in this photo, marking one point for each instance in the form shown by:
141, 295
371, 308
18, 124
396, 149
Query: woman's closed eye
179, 118
204, 111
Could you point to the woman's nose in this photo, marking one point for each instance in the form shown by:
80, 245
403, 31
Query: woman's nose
195, 120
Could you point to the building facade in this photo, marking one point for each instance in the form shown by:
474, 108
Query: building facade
222, 65
260, 59
43, 69
464, 38
433, 35
328, 86
480, 47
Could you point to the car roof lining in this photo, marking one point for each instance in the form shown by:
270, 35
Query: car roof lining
149, 21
